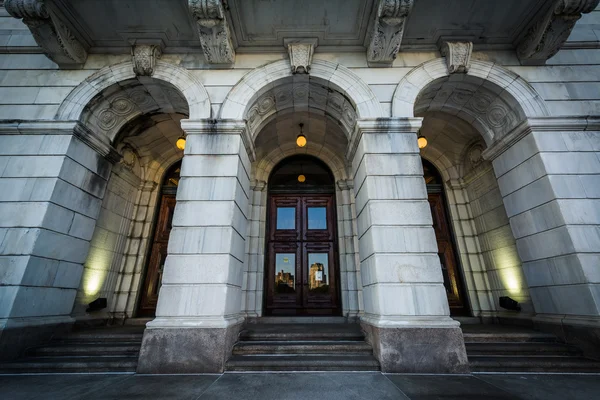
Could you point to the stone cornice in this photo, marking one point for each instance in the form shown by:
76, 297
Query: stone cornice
214, 31
381, 125
56, 40
548, 124
552, 29
221, 127
388, 30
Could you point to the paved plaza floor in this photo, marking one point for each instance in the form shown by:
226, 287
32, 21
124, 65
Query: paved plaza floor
312, 386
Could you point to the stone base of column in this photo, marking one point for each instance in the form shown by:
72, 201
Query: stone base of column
18, 335
186, 350
418, 349
581, 331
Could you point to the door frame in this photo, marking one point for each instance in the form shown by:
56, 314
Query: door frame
302, 252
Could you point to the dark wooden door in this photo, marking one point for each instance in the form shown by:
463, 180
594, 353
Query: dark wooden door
158, 255
452, 281
302, 265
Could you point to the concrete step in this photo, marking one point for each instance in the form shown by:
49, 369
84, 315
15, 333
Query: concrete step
99, 337
301, 332
297, 320
515, 337
317, 362
302, 347
85, 349
70, 365
521, 349
533, 364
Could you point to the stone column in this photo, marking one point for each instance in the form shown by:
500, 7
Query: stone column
52, 180
198, 316
406, 309
549, 175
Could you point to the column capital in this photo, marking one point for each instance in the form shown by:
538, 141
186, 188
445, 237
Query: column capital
221, 127
345, 184
381, 126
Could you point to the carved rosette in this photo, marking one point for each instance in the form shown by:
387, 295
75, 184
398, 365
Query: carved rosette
144, 59
388, 31
51, 34
545, 38
458, 56
213, 28
301, 52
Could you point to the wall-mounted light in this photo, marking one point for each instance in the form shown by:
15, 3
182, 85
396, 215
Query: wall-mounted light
422, 141
180, 142
301, 139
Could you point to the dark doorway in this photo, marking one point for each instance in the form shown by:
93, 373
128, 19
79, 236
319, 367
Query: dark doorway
445, 241
302, 271
160, 239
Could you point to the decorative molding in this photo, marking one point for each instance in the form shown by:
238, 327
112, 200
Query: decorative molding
221, 127
214, 31
96, 142
144, 58
54, 37
388, 30
548, 34
301, 52
258, 185
345, 184
458, 56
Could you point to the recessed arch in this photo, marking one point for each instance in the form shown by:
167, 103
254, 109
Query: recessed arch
494, 100
334, 76
190, 86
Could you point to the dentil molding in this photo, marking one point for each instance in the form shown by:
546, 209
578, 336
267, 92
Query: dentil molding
144, 58
214, 31
49, 31
545, 38
388, 30
458, 56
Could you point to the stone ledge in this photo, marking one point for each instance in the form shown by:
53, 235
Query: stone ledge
418, 350
186, 351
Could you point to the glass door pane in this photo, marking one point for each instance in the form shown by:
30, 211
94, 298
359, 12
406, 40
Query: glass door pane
285, 273
318, 272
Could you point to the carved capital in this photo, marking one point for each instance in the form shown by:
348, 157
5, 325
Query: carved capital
213, 28
301, 52
388, 31
144, 58
345, 184
258, 185
547, 35
458, 56
51, 34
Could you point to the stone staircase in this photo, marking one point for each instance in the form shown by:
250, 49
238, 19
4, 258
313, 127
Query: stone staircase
509, 349
107, 349
302, 347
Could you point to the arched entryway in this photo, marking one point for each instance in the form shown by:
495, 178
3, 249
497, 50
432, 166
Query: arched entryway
302, 266
453, 279
160, 239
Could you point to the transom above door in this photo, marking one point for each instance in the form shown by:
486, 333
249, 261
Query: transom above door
302, 273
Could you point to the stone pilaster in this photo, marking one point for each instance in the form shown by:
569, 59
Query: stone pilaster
52, 183
199, 307
406, 309
549, 175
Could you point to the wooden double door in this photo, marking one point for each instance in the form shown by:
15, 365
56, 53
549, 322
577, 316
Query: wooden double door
302, 261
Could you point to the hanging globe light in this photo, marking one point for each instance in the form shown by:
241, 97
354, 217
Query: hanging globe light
301, 139
301, 178
180, 143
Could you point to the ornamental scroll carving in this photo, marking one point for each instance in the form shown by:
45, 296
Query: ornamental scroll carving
458, 56
144, 59
51, 34
213, 28
545, 38
301, 52
388, 31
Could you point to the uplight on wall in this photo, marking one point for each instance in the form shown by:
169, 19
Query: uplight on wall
180, 143
301, 139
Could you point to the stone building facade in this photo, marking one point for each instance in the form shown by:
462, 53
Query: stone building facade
95, 95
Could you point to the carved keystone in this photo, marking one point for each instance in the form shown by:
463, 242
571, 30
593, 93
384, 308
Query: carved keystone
213, 28
547, 35
51, 34
458, 56
301, 52
144, 58
388, 30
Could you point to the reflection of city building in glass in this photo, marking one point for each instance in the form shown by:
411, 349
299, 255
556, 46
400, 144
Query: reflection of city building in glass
317, 276
284, 278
